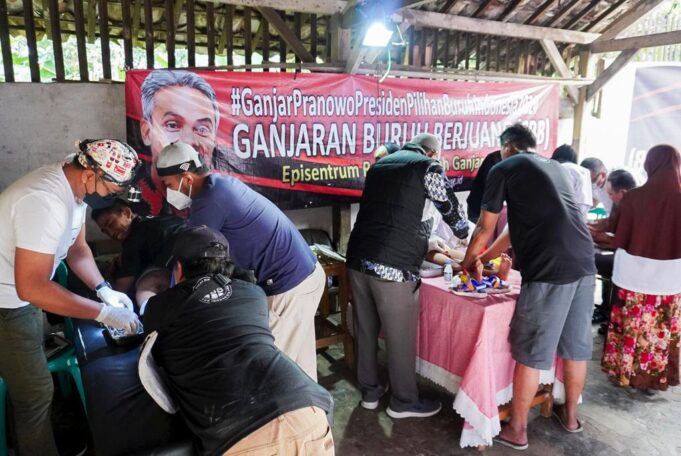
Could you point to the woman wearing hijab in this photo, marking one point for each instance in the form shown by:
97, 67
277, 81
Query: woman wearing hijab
642, 346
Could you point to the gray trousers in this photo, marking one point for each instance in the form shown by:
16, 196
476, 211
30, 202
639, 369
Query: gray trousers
394, 307
23, 366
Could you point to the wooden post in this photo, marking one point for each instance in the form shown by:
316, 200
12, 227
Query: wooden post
127, 32
149, 33
104, 38
29, 24
581, 108
191, 37
210, 33
170, 32
341, 224
248, 49
5, 43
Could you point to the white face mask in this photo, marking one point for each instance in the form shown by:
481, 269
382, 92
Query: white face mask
177, 199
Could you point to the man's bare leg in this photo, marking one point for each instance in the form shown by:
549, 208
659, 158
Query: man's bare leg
575, 377
525, 384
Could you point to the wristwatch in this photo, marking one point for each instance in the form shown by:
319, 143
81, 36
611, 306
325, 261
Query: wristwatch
104, 284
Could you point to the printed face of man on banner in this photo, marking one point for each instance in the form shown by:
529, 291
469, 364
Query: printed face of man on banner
178, 106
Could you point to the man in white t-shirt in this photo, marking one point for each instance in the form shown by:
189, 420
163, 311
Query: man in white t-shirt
599, 176
580, 178
43, 217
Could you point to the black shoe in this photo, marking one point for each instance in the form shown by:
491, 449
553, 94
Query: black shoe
603, 330
598, 317
423, 409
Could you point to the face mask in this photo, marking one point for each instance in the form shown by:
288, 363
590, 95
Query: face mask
177, 199
97, 201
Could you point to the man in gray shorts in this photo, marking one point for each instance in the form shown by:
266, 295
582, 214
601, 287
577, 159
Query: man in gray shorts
555, 256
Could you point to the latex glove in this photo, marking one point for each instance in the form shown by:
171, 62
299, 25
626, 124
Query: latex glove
118, 318
435, 245
115, 298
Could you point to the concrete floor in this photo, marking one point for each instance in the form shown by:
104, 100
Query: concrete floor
616, 421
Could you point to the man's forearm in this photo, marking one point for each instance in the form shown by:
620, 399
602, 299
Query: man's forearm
53, 298
480, 237
499, 246
82, 263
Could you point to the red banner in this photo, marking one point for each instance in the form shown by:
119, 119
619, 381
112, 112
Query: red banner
308, 139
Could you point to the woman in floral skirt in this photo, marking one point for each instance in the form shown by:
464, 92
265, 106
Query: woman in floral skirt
642, 346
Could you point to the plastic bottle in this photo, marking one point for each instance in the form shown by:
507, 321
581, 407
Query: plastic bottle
448, 273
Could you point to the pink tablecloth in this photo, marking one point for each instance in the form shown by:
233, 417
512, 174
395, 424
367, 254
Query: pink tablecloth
462, 346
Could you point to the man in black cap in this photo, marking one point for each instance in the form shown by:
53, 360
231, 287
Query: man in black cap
236, 390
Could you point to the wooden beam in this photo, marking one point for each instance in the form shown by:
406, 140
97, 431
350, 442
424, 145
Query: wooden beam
615, 6
432, 73
582, 105
127, 32
583, 12
313, 36
286, 34
228, 33
561, 13
472, 25
80, 40
356, 55
614, 68
539, 11
482, 8
637, 42
104, 38
298, 30
265, 27
56, 41
29, 25
149, 33
559, 64
508, 10
248, 49
448, 6
136, 14
191, 37
170, 32
7, 63
210, 33
627, 19
91, 21
321, 7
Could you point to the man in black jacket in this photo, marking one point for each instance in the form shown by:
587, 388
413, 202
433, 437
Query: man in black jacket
236, 391
387, 246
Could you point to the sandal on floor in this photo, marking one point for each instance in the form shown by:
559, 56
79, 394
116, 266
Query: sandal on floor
516, 446
558, 418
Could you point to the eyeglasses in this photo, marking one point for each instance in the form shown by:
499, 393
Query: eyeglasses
114, 193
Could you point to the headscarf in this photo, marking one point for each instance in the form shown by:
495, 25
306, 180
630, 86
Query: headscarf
649, 219
663, 165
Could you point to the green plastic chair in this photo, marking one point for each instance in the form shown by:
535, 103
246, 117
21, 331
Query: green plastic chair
66, 363
3, 423
599, 212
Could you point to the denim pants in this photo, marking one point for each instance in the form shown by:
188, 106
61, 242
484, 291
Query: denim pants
23, 366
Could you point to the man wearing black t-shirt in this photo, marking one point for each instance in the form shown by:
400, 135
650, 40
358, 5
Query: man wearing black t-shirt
555, 256
236, 391
474, 200
146, 241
